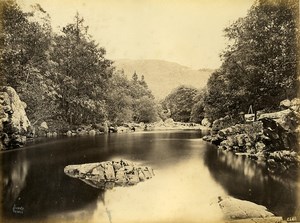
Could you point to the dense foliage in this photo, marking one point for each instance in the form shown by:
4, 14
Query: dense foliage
82, 74
25, 63
198, 109
64, 77
180, 103
260, 65
130, 100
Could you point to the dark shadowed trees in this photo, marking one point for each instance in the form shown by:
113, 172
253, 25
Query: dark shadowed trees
197, 113
25, 58
180, 103
260, 65
82, 74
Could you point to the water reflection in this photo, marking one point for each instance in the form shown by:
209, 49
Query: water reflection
246, 179
14, 172
33, 180
190, 175
181, 192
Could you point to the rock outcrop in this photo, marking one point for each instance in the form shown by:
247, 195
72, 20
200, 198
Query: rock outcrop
108, 174
221, 123
14, 124
273, 137
206, 122
288, 119
235, 210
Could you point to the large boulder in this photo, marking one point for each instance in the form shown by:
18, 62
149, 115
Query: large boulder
287, 118
235, 209
169, 122
295, 104
41, 130
92, 132
285, 103
44, 125
283, 161
206, 122
14, 124
106, 175
222, 123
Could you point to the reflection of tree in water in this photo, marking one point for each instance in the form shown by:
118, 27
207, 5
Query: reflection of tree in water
37, 194
14, 168
33, 178
244, 178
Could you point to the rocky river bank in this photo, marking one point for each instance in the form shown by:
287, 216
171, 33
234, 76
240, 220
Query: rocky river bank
16, 129
272, 138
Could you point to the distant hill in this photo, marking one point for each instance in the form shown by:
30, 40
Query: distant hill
163, 76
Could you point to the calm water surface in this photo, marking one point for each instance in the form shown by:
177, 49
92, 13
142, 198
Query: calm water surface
190, 175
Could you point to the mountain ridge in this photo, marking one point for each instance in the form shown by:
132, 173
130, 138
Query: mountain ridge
163, 76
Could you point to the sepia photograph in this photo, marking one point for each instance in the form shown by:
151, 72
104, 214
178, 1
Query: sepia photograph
149, 111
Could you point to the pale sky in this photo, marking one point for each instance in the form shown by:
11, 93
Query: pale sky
188, 32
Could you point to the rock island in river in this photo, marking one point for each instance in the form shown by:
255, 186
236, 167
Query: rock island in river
110, 173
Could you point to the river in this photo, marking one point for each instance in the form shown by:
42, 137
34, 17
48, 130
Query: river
189, 176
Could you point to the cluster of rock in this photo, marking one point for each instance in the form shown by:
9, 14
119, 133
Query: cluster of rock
14, 124
273, 137
281, 161
222, 123
288, 118
106, 175
83, 130
170, 124
42, 130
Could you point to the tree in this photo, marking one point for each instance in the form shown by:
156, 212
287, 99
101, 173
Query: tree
82, 74
25, 58
26, 44
143, 82
265, 50
143, 105
130, 100
145, 110
118, 99
180, 102
139, 88
197, 113
260, 65
134, 77
64, 77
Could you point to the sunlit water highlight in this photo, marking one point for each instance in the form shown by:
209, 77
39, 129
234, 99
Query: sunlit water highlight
189, 176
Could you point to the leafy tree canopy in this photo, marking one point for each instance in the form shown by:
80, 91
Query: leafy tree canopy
260, 65
180, 102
